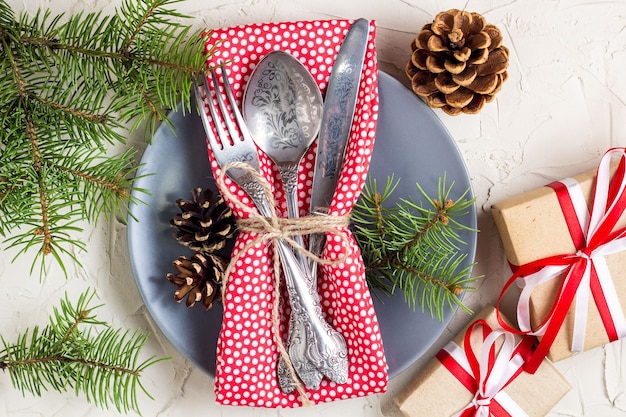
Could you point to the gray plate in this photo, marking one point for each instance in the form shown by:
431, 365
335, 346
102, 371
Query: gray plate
411, 143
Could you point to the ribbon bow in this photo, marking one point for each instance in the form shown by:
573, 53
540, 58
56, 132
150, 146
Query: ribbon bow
487, 374
586, 272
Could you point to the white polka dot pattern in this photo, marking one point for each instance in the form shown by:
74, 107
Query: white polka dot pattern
246, 354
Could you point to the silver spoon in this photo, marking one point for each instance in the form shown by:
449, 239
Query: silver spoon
282, 106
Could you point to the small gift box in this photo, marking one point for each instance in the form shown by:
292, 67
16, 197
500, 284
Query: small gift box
479, 373
565, 243
248, 348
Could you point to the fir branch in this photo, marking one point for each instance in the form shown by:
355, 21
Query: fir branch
72, 84
69, 353
413, 248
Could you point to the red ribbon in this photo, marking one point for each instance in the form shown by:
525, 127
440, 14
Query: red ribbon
593, 236
486, 374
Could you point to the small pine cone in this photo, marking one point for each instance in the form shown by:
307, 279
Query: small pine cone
199, 279
205, 222
458, 62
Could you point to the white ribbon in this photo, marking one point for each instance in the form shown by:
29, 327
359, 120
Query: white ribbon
491, 380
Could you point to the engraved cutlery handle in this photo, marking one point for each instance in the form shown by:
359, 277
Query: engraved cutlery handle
323, 347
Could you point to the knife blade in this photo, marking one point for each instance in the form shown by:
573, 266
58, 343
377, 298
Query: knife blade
337, 115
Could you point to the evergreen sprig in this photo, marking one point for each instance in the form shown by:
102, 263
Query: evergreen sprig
414, 247
77, 351
70, 85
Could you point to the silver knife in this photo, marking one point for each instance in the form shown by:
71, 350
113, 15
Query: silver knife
339, 107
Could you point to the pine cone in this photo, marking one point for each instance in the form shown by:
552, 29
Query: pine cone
205, 222
199, 279
458, 62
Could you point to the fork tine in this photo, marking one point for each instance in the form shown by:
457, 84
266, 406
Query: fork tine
232, 130
232, 145
203, 116
233, 104
221, 133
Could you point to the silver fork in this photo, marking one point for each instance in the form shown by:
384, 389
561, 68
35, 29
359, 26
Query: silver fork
317, 349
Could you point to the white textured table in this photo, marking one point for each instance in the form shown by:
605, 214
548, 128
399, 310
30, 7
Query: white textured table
562, 107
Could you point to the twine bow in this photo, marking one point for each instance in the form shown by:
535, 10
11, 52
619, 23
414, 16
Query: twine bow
489, 372
586, 271
272, 228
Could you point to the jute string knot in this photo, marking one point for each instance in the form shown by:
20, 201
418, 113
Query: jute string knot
272, 228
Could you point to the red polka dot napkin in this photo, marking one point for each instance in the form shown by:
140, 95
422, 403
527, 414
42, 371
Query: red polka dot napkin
246, 354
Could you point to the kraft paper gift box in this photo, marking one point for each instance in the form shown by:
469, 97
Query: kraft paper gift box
436, 392
533, 228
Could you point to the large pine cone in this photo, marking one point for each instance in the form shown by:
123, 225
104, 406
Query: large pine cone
199, 279
458, 62
205, 222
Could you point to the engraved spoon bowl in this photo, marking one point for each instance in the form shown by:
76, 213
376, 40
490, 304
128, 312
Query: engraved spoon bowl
282, 106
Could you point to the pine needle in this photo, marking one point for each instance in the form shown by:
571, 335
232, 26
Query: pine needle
70, 85
414, 247
76, 351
